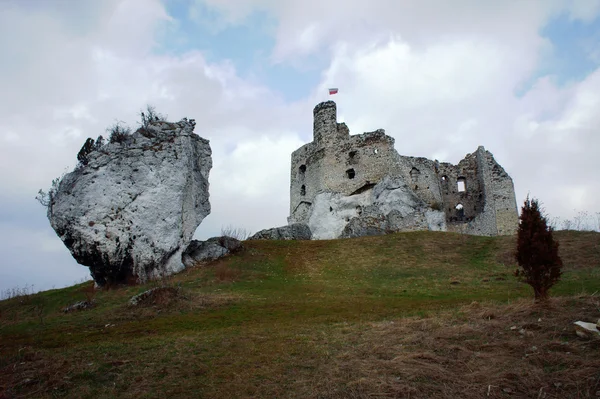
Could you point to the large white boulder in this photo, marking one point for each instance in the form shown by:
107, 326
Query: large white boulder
389, 206
130, 212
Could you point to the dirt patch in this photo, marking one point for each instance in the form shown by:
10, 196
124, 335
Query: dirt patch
226, 273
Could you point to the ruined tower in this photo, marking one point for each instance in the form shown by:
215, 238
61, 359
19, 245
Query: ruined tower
340, 181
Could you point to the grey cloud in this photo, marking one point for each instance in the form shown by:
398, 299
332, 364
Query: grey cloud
62, 87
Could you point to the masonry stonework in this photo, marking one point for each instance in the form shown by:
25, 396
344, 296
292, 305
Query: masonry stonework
340, 181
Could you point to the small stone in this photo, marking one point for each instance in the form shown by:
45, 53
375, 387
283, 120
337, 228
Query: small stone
513, 328
525, 332
586, 330
82, 305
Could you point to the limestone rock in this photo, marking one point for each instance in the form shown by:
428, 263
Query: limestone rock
586, 330
154, 295
211, 249
132, 209
296, 231
81, 305
389, 206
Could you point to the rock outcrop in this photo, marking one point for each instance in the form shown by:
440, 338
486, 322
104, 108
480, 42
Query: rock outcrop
296, 231
209, 250
387, 207
131, 207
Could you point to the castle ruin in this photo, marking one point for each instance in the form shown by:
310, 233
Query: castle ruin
346, 185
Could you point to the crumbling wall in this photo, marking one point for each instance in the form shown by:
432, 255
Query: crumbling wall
503, 194
463, 192
339, 171
421, 174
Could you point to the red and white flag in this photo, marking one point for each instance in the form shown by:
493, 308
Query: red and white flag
333, 91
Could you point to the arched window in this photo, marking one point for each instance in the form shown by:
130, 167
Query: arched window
460, 211
302, 170
303, 190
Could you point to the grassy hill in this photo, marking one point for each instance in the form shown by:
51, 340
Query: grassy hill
423, 314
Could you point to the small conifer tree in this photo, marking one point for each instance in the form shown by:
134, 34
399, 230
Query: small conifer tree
537, 252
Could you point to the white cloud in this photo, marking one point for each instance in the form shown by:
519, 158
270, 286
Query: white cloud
72, 86
439, 76
249, 186
449, 98
585, 10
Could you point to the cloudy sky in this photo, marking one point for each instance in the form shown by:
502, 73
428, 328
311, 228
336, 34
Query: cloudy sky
521, 77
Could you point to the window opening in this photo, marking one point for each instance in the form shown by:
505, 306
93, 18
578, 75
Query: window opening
414, 174
350, 173
303, 190
302, 170
460, 211
461, 184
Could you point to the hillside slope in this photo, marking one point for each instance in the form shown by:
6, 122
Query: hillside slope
423, 314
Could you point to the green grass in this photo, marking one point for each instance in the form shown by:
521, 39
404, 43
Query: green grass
265, 322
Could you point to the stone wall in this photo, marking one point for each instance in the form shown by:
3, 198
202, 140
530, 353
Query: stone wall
476, 195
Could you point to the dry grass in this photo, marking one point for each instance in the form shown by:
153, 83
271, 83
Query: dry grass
480, 350
578, 249
375, 317
224, 272
519, 350
17, 293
